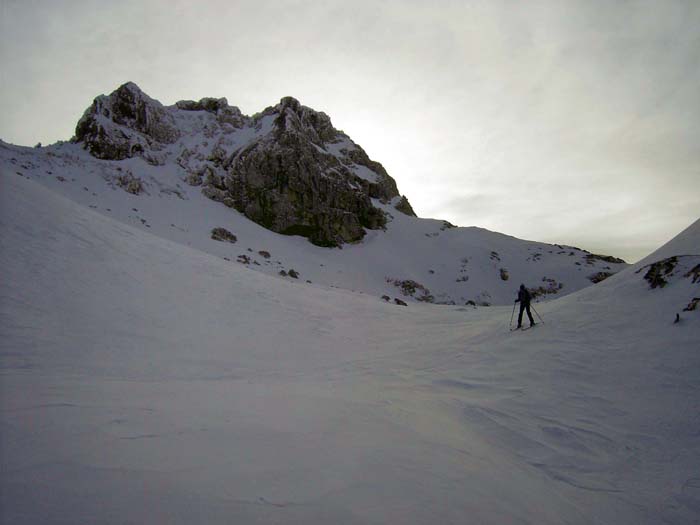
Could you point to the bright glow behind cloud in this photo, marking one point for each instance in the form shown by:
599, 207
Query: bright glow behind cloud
572, 122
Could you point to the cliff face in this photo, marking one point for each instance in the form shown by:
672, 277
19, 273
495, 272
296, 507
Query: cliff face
289, 182
287, 168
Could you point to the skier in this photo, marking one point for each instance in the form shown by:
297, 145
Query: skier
524, 299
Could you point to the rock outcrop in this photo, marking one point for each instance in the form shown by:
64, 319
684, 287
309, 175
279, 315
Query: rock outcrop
287, 181
223, 235
125, 124
286, 168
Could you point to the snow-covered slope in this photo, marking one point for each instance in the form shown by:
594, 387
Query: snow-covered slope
144, 381
184, 170
413, 259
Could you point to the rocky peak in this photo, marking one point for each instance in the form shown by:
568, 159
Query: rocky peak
218, 107
296, 124
293, 118
124, 124
288, 169
212, 105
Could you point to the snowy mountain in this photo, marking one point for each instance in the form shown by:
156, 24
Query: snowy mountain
145, 381
255, 190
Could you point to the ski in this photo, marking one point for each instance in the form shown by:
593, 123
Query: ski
522, 329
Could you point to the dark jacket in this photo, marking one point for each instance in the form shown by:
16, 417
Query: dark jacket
524, 296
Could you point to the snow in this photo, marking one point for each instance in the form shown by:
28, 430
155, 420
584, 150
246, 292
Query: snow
363, 172
685, 243
147, 381
456, 264
343, 144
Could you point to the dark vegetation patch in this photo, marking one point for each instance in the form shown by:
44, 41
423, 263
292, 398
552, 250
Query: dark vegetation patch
599, 276
694, 274
592, 257
550, 286
692, 305
659, 272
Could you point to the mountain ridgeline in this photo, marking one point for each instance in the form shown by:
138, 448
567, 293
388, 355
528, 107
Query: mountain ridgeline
287, 168
254, 190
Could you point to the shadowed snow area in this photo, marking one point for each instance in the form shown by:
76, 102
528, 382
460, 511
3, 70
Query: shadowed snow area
144, 381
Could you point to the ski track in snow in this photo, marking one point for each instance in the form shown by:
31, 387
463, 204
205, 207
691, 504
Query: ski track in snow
147, 382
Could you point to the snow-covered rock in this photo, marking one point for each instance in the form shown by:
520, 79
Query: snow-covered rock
180, 171
281, 175
287, 182
124, 124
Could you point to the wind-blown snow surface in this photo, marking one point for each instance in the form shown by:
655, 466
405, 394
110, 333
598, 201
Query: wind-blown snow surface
147, 382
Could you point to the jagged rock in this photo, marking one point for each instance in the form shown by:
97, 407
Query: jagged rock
383, 187
223, 235
130, 183
599, 276
214, 194
125, 124
386, 298
400, 302
293, 119
405, 207
658, 271
297, 174
212, 105
264, 254
592, 257
218, 155
692, 305
550, 287
286, 182
193, 179
409, 288
694, 273
212, 179
293, 273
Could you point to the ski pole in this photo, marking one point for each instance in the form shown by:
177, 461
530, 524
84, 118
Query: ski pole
510, 325
536, 312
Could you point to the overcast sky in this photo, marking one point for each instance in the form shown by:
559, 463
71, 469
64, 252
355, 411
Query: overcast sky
573, 122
